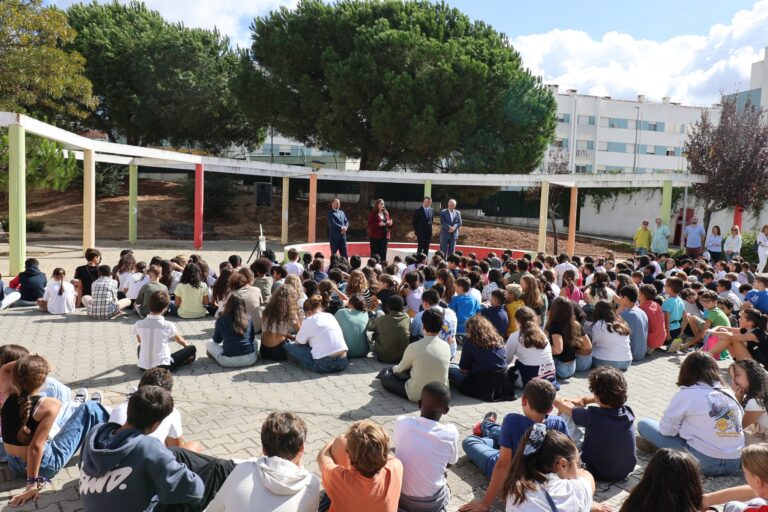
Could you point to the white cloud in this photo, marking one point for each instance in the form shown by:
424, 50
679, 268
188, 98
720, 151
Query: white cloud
689, 68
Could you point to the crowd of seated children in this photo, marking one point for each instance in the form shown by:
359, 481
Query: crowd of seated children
482, 369
391, 331
232, 345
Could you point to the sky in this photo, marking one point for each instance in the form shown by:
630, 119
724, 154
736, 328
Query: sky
689, 50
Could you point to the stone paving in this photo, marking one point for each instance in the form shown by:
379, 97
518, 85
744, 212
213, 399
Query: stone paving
223, 408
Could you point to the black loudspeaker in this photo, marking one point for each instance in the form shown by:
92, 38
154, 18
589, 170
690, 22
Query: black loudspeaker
263, 194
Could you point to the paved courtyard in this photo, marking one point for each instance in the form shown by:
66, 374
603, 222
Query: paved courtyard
223, 408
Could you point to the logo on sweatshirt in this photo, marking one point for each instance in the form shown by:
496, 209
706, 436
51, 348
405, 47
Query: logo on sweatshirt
107, 482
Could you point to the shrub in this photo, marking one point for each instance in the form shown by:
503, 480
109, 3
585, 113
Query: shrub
33, 226
748, 251
219, 190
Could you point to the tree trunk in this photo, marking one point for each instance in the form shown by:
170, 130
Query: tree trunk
554, 232
368, 162
709, 210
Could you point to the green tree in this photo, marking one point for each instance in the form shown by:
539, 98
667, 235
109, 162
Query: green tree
159, 82
397, 84
47, 167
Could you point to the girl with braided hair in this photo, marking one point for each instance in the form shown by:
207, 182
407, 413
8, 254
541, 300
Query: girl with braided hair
27, 418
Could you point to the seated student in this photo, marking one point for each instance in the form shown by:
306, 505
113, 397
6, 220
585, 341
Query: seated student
747, 341
27, 287
752, 497
671, 481
262, 279
59, 297
124, 274
749, 381
26, 420
358, 471
514, 302
319, 345
241, 284
656, 326
233, 345
431, 299
276, 481
278, 277
610, 338
353, 321
423, 361
191, 294
529, 350
170, 430
463, 304
759, 296
569, 290
333, 299
545, 474
492, 446
702, 418
724, 290
391, 332
609, 437
673, 309
726, 306
140, 278
497, 312
713, 318
143, 471
280, 322
425, 448
636, 319
412, 291
572, 349
387, 288
141, 306
85, 275
103, 303
482, 369
154, 335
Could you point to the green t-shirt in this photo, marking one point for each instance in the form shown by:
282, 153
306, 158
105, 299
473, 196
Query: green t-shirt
142, 299
717, 318
353, 325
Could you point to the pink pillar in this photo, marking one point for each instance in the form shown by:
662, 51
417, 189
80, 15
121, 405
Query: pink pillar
199, 186
738, 214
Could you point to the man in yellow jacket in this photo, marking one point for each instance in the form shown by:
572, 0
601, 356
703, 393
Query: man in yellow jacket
642, 239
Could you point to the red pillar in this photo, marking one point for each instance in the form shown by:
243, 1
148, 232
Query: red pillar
738, 214
198, 206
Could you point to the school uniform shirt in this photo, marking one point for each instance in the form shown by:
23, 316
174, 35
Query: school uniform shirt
169, 427
515, 424
708, 418
60, 304
675, 307
192, 300
573, 495
322, 333
156, 333
609, 346
609, 441
428, 360
530, 362
349, 490
425, 447
657, 329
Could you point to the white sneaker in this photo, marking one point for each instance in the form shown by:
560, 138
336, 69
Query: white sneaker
96, 396
81, 396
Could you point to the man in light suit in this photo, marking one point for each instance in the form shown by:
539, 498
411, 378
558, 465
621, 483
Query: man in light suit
450, 222
337, 229
422, 225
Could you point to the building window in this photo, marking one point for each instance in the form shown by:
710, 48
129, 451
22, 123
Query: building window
617, 147
615, 122
671, 151
284, 152
561, 143
650, 149
602, 145
586, 120
564, 118
583, 169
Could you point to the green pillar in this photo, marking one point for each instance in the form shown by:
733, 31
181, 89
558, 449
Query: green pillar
17, 199
133, 201
428, 188
666, 203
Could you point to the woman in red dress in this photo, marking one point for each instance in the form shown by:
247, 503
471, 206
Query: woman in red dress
379, 226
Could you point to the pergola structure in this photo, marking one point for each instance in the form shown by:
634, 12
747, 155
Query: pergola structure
91, 151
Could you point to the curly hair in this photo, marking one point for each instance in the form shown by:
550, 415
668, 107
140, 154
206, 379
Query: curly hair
357, 283
758, 382
29, 374
609, 386
483, 334
283, 306
293, 281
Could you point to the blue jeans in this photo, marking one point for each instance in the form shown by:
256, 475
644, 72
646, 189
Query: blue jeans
619, 365
302, 354
641, 251
65, 444
710, 466
455, 375
484, 450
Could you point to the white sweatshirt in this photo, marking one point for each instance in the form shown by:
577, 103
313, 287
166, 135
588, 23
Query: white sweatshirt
708, 418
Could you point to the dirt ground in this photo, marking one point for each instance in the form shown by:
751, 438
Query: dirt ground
162, 202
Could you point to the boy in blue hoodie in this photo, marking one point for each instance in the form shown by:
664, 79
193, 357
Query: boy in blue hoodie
124, 469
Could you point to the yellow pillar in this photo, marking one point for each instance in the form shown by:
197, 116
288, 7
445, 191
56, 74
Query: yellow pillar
571, 248
312, 208
427, 188
89, 199
17, 199
666, 202
284, 217
133, 202
543, 209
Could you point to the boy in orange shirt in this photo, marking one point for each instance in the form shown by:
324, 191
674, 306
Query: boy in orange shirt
358, 471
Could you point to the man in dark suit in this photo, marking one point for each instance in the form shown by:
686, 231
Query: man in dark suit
450, 222
337, 229
422, 225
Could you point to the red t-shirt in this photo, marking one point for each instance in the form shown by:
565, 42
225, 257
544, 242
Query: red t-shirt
657, 330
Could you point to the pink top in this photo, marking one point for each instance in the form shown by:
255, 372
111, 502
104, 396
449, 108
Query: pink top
573, 294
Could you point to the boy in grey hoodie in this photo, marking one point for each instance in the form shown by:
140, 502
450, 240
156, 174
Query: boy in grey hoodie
124, 469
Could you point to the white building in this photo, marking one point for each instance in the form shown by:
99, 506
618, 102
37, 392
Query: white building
606, 135
758, 84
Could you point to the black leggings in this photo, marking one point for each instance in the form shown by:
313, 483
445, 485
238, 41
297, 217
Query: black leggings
186, 355
212, 472
277, 353
379, 246
394, 384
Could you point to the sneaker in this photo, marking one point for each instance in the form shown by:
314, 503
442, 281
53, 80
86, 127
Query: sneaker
81, 396
96, 396
675, 345
490, 416
645, 445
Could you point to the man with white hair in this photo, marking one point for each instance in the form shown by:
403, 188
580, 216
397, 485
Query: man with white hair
450, 222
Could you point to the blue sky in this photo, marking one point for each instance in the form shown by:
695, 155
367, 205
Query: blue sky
686, 49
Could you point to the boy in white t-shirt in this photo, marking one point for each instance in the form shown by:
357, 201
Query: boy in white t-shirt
154, 335
170, 430
424, 483
293, 266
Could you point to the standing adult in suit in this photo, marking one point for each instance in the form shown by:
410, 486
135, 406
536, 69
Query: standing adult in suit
450, 222
422, 225
337, 228
379, 226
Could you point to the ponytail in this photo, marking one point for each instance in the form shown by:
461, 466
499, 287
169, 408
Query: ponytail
60, 274
759, 320
29, 374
